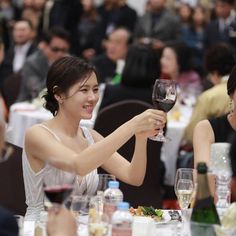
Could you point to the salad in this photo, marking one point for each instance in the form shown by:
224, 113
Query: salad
156, 214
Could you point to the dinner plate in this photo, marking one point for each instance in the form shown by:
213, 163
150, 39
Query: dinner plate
165, 218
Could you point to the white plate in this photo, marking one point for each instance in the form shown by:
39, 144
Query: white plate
165, 218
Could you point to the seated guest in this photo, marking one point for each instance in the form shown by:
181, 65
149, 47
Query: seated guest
116, 49
137, 78
72, 93
217, 129
23, 46
176, 64
233, 165
219, 61
8, 224
54, 46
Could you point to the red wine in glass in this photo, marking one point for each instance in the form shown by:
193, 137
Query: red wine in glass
58, 194
163, 97
164, 105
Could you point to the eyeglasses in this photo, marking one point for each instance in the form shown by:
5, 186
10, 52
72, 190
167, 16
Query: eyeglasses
6, 153
56, 49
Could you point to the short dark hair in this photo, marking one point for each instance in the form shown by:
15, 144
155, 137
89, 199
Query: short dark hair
63, 74
56, 32
231, 84
220, 58
184, 55
141, 67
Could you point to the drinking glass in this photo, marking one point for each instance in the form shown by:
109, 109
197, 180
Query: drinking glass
98, 224
185, 185
163, 97
103, 180
57, 184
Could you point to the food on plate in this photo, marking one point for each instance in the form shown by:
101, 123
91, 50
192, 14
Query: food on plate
156, 214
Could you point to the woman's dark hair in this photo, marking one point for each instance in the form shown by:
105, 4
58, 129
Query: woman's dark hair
141, 67
63, 74
231, 84
184, 55
220, 58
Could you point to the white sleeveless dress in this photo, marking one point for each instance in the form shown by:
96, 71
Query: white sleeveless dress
34, 181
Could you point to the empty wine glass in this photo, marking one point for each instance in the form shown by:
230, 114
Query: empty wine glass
103, 180
163, 97
57, 184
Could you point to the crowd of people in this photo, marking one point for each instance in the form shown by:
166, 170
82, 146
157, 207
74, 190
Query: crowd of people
68, 48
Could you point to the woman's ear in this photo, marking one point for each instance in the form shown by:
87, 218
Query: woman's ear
57, 94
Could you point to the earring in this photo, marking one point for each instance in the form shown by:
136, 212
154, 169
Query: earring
231, 107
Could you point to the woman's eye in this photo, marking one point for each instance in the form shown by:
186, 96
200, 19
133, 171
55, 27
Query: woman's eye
95, 90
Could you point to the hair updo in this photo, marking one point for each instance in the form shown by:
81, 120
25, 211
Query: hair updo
63, 74
231, 84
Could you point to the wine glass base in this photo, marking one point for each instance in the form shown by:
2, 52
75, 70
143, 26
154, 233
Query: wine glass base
160, 139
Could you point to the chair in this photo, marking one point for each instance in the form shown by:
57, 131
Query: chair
10, 89
12, 194
111, 117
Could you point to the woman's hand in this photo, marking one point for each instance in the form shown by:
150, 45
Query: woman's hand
61, 222
149, 122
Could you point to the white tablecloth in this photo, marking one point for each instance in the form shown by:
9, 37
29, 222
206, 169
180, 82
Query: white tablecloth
175, 131
24, 115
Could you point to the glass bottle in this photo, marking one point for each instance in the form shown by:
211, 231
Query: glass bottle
204, 214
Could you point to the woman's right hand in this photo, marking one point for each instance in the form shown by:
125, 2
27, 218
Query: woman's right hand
149, 122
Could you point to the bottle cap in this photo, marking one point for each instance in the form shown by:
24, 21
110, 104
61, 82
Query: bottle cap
202, 168
113, 184
123, 206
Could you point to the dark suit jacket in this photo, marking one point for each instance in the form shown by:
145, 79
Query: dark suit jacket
6, 68
8, 224
105, 67
166, 28
214, 36
116, 93
34, 75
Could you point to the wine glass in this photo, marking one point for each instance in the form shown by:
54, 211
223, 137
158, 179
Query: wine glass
185, 185
163, 97
57, 184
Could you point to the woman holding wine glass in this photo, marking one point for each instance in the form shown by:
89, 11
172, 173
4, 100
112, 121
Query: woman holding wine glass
72, 93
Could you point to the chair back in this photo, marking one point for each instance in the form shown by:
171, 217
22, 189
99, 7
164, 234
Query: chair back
12, 194
110, 118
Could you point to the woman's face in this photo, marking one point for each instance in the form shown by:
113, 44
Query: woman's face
169, 65
199, 16
82, 97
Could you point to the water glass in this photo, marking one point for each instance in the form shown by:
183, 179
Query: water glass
98, 224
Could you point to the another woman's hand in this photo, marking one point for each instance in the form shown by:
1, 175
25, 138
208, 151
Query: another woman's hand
149, 122
61, 222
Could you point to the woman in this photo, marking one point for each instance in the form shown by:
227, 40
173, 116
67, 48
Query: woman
218, 129
72, 93
140, 72
176, 64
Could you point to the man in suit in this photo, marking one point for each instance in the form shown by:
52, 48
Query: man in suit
23, 46
8, 224
223, 28
54, 46
116, 48
158, 26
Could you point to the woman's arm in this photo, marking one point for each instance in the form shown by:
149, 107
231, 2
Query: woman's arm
129, 172
41, 145
203, 137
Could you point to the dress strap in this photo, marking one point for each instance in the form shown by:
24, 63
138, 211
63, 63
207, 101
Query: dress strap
50, 131
87, 135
